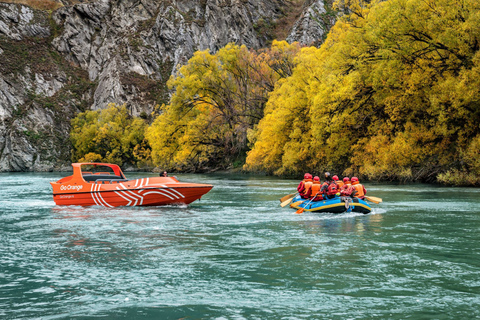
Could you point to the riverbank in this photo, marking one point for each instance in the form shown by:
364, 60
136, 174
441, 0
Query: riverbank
453, 178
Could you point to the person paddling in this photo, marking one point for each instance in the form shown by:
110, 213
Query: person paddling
304, 187
338, 182
324, 186
316, 195
332, 190
329, 187
347, 190
359, 188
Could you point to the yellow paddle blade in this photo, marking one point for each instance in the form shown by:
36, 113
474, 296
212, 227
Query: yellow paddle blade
293, 205
288, 196
286, 202
374, 199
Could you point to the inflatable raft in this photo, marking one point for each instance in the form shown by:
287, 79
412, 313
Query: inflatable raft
335, 205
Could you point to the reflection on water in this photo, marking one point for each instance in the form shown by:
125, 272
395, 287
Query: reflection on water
236, 254
335, 224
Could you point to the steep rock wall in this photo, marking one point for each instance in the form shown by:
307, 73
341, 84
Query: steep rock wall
39, 93
314, 23
124, 45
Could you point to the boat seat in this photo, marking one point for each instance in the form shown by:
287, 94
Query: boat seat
95, 177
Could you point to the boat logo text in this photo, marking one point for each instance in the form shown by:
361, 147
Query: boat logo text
71, 187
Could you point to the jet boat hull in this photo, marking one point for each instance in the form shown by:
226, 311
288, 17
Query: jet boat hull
114, 190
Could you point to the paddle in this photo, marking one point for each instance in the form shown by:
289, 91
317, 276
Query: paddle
286, 202
293, 205
288, 196
299, 211
373, 199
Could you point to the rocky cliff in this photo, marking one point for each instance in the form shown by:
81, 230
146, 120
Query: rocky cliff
316, 19
86, 55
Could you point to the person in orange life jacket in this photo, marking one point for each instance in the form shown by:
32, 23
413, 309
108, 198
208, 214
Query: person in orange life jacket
305, 185
301, 185
338, 182
347, 188
346, 183
315, 190
329, 187
361, 191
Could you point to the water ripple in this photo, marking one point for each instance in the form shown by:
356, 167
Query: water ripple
238, 255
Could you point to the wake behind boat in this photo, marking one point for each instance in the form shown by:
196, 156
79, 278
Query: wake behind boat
105, 184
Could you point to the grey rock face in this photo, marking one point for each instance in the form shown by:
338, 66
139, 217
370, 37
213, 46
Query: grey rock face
35, 103
17, 22
114, 39
315, 22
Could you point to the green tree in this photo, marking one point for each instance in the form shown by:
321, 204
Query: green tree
109, 135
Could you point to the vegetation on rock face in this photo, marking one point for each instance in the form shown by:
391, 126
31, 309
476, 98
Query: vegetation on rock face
24, 61
109, 135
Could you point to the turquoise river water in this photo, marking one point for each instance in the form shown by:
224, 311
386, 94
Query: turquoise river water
236, 254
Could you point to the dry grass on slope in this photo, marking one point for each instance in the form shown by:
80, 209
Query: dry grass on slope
38, 4
291, 15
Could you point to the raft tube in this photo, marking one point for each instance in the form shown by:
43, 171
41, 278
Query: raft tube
335, 205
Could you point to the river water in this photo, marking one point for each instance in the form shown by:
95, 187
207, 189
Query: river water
236, 254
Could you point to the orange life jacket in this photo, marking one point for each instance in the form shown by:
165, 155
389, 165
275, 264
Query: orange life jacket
340, 184
360, 189
316, 188
308, 185
347, 189
346, 185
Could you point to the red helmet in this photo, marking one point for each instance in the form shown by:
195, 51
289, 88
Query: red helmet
335, 178
354, 179
307, 176
316, 178
346, 179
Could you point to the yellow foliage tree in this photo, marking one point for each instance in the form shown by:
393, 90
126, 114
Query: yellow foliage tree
218, 98
393, 93
109, 135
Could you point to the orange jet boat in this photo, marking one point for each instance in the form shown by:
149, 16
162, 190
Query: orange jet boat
104, 184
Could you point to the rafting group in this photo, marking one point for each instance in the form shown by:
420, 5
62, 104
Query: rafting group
311, 188
333, 195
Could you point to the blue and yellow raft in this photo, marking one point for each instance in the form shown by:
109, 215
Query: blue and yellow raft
335, 205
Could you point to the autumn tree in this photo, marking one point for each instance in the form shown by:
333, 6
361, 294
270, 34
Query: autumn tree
392, 94
109, 135
217, 99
